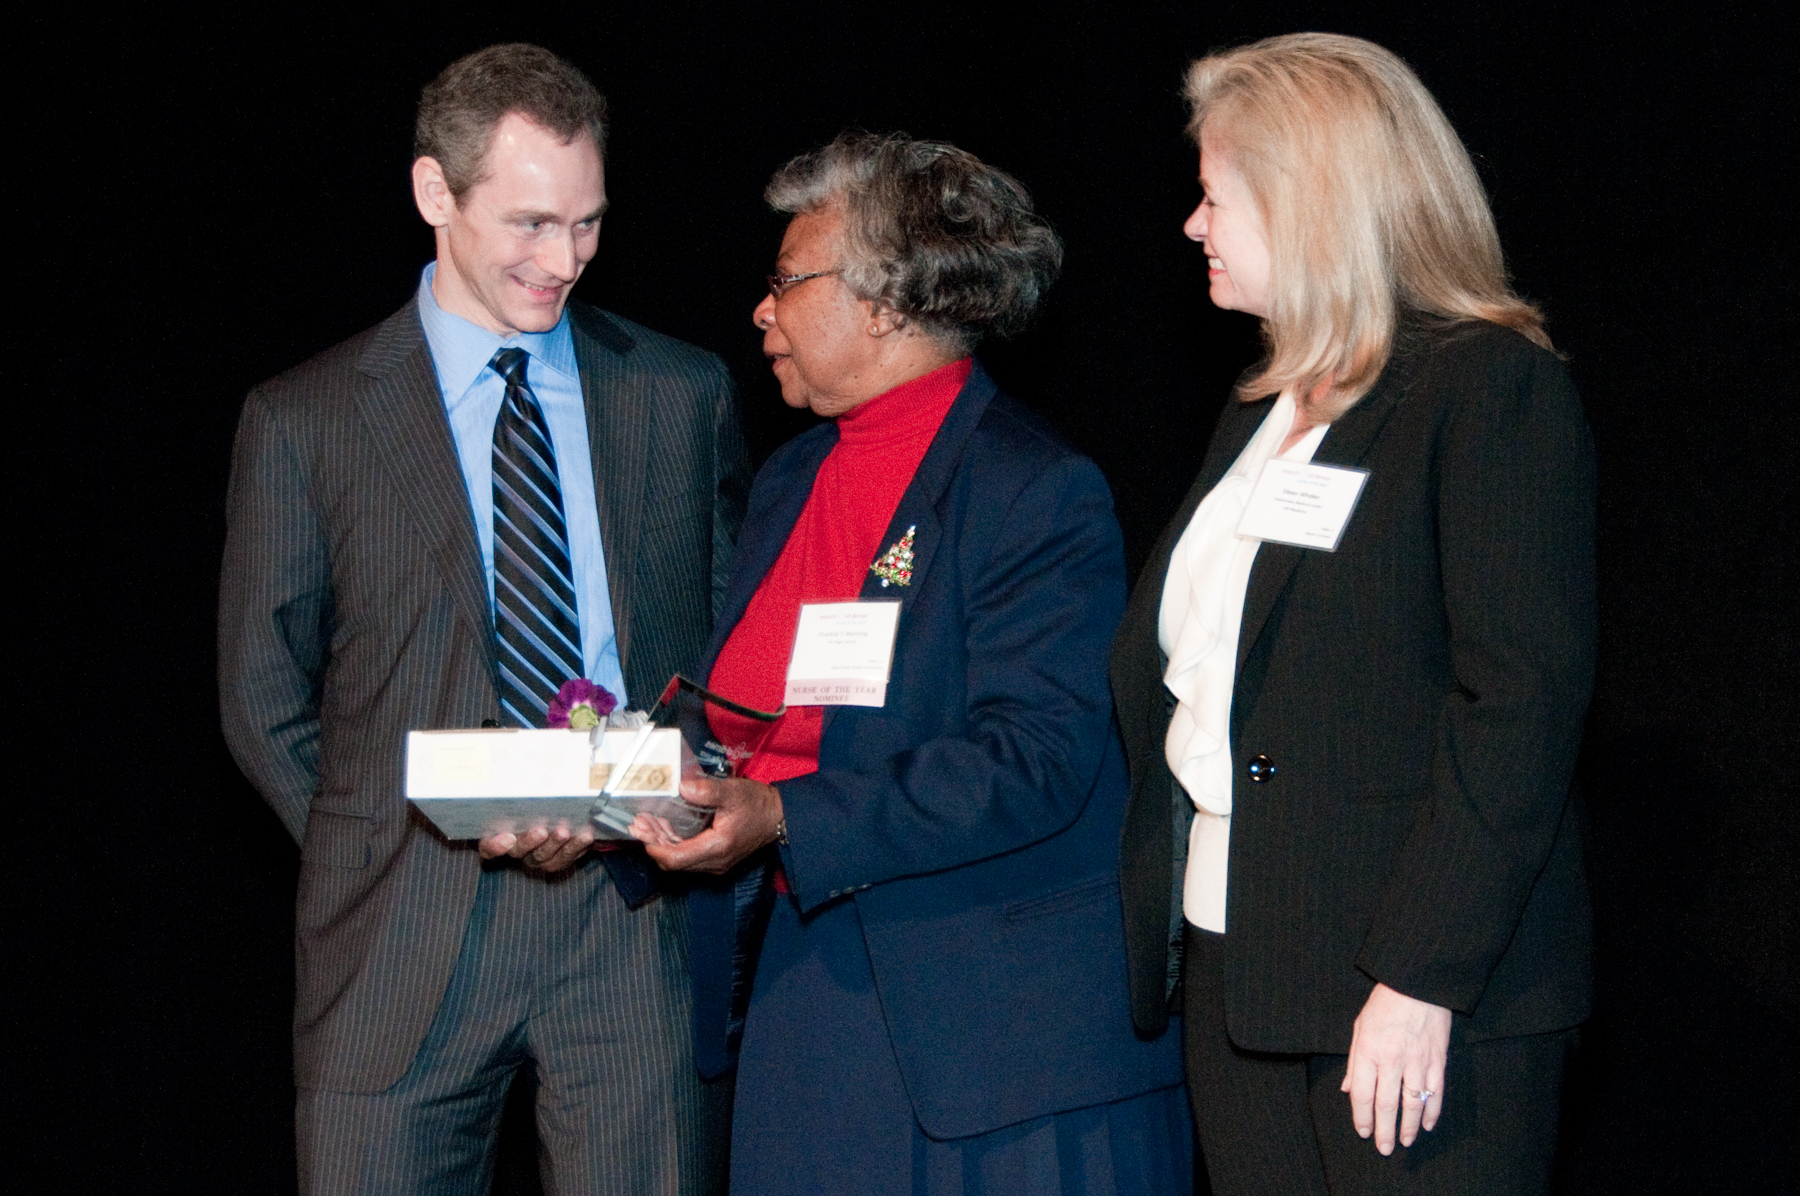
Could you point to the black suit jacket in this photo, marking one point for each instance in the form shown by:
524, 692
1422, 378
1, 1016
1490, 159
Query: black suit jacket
353, 609
1421, 692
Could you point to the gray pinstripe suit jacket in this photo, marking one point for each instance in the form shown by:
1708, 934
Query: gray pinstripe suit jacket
353, 608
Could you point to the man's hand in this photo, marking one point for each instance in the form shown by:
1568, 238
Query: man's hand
747, 813
1397, 1055
541, 848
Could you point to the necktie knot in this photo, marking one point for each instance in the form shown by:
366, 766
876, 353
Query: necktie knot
510, 364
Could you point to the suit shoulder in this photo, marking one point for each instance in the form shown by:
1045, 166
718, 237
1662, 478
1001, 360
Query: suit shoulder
647, 347
1480, 347
1481, 381
1012, 428
1018, 450
331, 374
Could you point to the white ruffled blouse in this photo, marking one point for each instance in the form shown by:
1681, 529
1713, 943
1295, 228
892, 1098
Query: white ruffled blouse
1197, 628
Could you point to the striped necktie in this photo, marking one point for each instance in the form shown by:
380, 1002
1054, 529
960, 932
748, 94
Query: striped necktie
535, 617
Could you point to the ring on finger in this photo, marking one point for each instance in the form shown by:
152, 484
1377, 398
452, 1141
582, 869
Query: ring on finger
1421, 1095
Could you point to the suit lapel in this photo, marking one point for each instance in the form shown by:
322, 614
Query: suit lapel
1237, 424
404, 411
620, 414
1348, 441
776, 501
917, 511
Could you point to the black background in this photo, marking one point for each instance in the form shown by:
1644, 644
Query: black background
198, 204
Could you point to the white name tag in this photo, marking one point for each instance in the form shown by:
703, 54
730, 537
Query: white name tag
1295, 502
842, 651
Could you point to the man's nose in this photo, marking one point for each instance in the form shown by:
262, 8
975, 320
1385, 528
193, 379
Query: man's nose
561, 257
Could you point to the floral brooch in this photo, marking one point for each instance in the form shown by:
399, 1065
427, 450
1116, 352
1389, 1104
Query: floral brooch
895, 565
579, 705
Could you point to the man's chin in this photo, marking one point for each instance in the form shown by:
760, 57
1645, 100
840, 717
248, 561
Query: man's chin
537, 319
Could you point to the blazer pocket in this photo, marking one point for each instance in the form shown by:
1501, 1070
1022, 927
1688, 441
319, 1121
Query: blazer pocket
337, 840
1061, 901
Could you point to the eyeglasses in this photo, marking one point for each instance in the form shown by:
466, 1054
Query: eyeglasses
779, 283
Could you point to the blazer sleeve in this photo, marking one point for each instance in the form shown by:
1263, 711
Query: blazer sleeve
1039, 609
1515, 511
731, 475
274, 617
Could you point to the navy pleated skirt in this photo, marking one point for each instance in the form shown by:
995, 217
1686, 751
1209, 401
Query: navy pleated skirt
821, 1107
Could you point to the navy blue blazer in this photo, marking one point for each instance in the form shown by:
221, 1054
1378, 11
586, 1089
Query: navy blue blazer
975, 818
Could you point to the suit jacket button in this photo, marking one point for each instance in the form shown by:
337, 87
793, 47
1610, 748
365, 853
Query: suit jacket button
1260, 768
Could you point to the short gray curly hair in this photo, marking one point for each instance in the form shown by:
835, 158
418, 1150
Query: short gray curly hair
931, 233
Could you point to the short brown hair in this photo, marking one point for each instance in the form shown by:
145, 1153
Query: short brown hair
459, 109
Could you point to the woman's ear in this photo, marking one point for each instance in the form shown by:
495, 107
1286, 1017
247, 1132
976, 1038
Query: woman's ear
884, 320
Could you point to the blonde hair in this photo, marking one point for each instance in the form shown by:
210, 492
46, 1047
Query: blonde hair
1369, 204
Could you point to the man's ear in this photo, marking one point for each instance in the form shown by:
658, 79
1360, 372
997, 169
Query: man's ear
431, 192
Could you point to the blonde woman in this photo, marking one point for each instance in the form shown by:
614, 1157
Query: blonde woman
1352, 710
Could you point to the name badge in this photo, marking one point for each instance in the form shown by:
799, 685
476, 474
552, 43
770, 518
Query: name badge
842, 652
1296, 502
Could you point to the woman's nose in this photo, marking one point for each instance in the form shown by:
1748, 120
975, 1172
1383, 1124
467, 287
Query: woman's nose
764, 315
1195, 227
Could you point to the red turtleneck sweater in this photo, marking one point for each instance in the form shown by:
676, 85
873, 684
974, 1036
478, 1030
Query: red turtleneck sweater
827, 556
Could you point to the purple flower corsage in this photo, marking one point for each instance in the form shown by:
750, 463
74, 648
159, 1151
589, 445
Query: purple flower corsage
579, 705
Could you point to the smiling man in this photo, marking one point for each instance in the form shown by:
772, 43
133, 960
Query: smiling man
437, 523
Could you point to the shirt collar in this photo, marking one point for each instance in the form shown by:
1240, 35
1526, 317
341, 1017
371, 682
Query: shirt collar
461, 350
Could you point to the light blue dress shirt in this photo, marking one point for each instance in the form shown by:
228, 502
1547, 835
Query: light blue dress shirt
472, 394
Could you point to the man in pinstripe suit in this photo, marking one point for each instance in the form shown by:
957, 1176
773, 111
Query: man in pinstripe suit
375, 581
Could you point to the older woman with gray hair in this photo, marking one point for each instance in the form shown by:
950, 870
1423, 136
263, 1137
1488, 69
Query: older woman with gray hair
920, 867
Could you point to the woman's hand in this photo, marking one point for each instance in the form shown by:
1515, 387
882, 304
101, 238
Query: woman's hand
1397, 1058
746, 815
